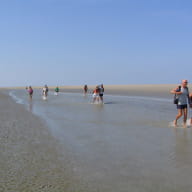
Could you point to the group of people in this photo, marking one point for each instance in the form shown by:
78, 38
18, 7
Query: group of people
183, 99
181, 92
97, 93
45, 91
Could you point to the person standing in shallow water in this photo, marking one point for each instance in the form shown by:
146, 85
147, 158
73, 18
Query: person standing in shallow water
57, 90
30, 92
45, 91
183, 100
96, 94
85, 88
101, 91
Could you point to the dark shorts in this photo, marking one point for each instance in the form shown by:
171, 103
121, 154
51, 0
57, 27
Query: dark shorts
101, 94
181, 106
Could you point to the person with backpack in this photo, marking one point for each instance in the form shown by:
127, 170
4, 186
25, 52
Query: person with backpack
176, 97
183, 101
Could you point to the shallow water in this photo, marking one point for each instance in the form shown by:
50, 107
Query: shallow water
124, 145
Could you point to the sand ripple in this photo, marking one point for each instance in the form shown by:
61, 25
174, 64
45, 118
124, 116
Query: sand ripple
30, 157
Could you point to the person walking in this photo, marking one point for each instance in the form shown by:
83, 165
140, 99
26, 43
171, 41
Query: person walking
85, 88
101, 91
183, 100
45, 92
30, 92
96, 94
57, 90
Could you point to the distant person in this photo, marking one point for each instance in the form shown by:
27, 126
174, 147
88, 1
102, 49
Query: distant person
47, 89
57, 90
183, 100
85, 88
45, 92
96, 94
101, 91
30, 92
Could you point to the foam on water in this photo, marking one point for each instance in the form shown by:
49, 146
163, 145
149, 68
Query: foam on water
171, 124
15, 97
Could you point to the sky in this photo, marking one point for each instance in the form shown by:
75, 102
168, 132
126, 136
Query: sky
77, 42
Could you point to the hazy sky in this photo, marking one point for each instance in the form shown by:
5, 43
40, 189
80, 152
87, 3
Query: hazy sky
76, 42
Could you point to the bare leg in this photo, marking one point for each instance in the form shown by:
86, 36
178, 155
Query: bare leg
185, 117
180, 113
98, 99
94, 98
101, 98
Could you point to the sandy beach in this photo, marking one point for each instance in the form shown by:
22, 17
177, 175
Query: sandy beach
31, 158
65, 144
161, 90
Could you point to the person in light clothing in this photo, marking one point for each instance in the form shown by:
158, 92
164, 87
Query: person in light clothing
183, 100
96, 94
45, 92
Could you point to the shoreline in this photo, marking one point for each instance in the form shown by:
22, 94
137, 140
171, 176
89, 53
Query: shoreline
31, 158
157, 90
127, 90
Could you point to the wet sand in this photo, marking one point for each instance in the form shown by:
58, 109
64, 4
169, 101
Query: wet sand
30, 158
114, 154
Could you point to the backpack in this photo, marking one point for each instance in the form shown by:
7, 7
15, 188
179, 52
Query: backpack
176, 98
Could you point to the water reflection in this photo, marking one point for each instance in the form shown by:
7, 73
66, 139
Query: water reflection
183, 142
30, 106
